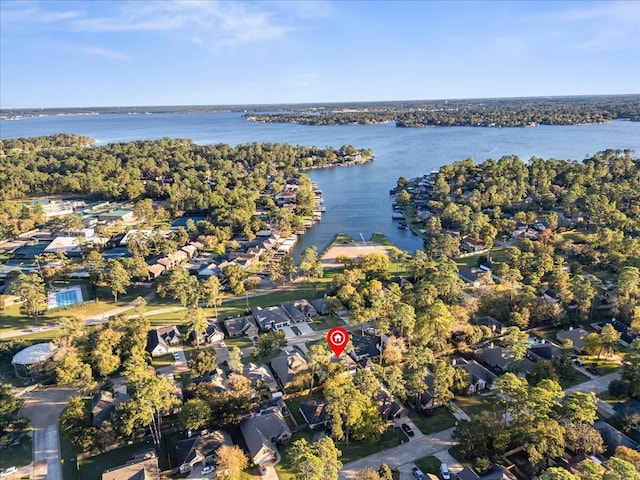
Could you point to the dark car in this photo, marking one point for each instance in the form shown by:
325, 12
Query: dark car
407, 429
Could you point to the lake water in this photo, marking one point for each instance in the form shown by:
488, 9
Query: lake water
357, 198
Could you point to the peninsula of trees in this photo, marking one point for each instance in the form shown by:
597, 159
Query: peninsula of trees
517, 112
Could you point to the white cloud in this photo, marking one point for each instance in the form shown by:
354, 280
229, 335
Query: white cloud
106, 53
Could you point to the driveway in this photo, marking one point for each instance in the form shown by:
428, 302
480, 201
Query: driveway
43, 407
288, 333
404, 454
304, 328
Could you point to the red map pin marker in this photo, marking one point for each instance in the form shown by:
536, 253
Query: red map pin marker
337, 338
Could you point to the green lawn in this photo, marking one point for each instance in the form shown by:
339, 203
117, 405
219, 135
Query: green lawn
497, 254
471, 405
16, 456
163, 361
457, 454
429, 464
325, 322
439, 420
391, 438
92, 467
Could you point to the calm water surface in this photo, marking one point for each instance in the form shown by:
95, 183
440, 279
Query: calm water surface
356, 198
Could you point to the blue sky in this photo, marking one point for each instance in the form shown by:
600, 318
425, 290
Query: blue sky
107, 53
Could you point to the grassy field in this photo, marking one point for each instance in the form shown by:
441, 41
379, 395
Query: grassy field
391, 438
16, 456
439, 420
429, 464
471, 405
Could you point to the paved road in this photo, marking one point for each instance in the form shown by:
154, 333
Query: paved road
43, 407
403, 456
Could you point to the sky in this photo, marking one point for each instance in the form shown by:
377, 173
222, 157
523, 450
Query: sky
180, 52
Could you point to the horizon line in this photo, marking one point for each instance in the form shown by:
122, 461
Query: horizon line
354, 102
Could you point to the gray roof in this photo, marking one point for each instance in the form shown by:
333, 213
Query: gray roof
476, 371
577, 336
37, 353
103, 404
314, 412
264, 430
289, 364
255, 373
143, 467
270, 316
299, 310
240, 326
613, 438
193, 449
497, 357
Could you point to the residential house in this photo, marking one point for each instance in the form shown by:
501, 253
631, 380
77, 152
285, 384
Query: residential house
497, 358
365, 347
155, 270
200, 449
471, 244
261, 377
498, 328
550, 295
213, 333
271, 318
299, 310
496, 472
263, 433
471, 276
545, 350
576, 335
388, 408
347, 363
614, 438
289, 365
115, 215
144, 466
241, 326
162, 339
320, 304
627, 336
425, 400
480, 378
103, 405
190, 250
315, 413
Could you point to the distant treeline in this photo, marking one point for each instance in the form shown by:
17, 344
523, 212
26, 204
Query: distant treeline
519, 112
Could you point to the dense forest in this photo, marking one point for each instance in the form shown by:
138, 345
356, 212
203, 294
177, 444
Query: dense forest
223, 180
519, 112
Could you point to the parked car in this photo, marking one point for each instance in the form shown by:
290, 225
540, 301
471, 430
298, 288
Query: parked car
407, 429
8, 471
207, 469
444, 472
223, 345
176, 355
417, 473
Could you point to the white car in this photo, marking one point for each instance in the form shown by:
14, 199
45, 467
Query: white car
444, 472
176, 355
8, 471
207, 469
223, 345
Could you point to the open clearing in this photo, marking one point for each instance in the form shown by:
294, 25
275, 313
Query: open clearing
351, 250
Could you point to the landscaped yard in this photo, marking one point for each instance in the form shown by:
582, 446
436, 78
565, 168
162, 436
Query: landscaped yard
471, 405
428, 464
93, 467
16, 456
325, 322
391, 438
439, 420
